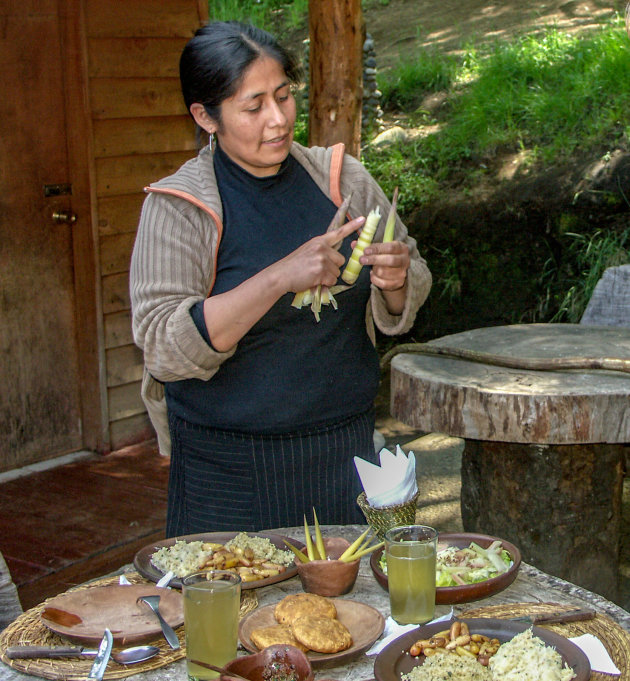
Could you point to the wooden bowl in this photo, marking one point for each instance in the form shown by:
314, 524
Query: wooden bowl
329, 577
280, 656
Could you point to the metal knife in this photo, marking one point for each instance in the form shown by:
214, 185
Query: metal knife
30, 652
556, 617
102, 657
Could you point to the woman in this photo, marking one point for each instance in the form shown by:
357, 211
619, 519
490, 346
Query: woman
266, 406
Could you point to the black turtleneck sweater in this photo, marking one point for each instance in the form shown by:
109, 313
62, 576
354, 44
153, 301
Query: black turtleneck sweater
289, 373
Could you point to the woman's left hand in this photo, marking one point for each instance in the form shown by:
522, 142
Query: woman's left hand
389, 262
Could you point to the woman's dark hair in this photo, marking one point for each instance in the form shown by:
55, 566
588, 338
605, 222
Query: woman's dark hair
214, 61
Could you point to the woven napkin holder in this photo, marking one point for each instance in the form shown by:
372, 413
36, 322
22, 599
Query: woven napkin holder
381, 519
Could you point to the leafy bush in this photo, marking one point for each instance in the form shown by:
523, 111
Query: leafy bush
276, 16
569, 285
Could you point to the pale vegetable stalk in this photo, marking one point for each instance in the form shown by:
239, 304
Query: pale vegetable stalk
354, 267
319, 541
309, 542
355, 545
322, 295
303, 558
363, 552
360, 547
390, 225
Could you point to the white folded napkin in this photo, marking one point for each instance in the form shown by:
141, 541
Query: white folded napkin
123, 581
391, 483
393, 630
166, 579
597, 654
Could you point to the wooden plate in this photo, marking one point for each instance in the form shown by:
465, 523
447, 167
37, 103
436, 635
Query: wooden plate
364, 622
143, 564
113, 607
448, 595
394, 660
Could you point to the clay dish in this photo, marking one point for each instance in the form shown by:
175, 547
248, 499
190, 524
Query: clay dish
285, 659
450, 595
329, 577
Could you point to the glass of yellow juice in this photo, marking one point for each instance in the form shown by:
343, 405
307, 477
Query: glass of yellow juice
410, 552
212, 601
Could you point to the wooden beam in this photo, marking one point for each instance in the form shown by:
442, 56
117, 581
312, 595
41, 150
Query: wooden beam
336, 73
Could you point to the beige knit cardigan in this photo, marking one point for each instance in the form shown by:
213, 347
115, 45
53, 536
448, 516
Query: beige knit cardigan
174, 257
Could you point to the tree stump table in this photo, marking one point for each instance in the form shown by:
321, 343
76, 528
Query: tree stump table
543, 461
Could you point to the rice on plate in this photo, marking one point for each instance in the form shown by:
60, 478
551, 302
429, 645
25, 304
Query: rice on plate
528, 658
446, 667
524, 658
183, 558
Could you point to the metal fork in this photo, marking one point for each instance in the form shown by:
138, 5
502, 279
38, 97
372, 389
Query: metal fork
169, 634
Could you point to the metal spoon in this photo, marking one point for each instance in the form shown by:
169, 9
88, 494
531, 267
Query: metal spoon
135, 654
126, 656
169, 634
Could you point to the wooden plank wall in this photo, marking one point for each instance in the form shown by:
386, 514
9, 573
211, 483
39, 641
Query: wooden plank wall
141, 132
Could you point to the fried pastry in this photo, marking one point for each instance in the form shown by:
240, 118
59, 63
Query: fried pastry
321, 634
295, 606
276, 633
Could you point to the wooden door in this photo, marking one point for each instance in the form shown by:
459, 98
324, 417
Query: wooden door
41, 411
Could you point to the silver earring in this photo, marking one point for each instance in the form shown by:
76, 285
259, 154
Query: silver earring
211, 140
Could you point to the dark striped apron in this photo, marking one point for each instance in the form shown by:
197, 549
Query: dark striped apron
222, 480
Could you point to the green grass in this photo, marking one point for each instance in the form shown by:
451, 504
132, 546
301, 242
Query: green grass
554, 93
549, 96
405, 85
275, 16
569, 285
552, 97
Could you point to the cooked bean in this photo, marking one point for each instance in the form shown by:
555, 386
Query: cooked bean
460, 650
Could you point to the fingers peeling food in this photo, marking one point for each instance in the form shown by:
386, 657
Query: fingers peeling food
252, 558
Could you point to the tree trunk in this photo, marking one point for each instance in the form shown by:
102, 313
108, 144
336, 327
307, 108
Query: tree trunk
560, 504
336, 89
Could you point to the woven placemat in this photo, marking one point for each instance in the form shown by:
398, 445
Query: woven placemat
615, 639
28, 629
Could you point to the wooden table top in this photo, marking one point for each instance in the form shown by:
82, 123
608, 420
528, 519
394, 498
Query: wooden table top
485, 402
531, 585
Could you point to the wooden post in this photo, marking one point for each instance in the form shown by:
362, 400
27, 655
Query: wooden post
336, 73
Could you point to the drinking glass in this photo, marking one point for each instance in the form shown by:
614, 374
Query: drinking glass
410, 551
212, 601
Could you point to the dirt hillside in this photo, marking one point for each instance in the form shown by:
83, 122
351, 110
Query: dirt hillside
500, 236
400, 27
488, 246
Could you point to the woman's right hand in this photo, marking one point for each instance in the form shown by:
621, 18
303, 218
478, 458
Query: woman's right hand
318, 261
230, 315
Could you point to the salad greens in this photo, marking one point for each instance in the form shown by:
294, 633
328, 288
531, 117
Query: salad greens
458, 567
